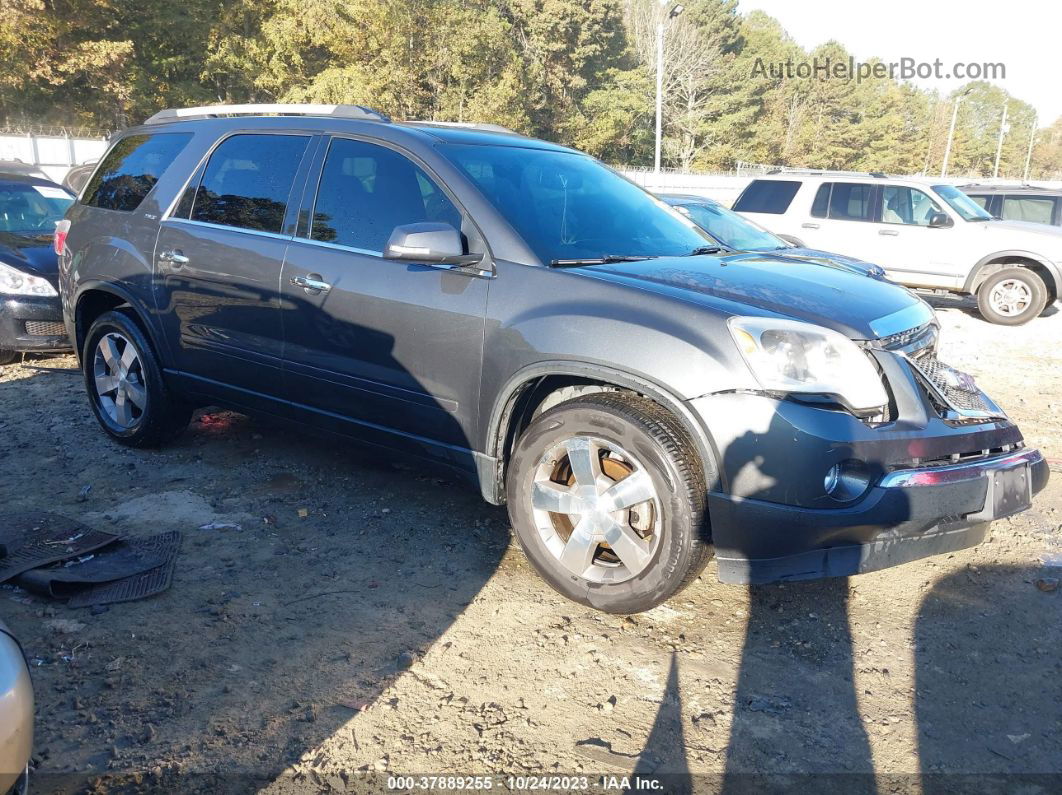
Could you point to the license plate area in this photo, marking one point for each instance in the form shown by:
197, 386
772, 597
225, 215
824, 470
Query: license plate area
1010, 491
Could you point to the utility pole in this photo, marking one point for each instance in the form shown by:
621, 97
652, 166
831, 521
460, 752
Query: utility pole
999, 146
674, 12
951, 130
1028, 155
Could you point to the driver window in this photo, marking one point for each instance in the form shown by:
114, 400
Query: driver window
366, 190
901, 205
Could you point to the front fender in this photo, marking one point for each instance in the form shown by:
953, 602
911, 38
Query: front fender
984, 267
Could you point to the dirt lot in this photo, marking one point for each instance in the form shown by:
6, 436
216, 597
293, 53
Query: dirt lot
397, 627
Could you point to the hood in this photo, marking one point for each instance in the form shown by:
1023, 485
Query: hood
1044, 239
31, 253
831, 260
768, 285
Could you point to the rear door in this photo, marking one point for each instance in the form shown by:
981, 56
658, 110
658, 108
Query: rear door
384, 349
841, 220
217, 267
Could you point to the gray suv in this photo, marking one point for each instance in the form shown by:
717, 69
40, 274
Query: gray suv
522, 314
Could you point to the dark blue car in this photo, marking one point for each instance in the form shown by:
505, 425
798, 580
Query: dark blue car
736, 232
31, 319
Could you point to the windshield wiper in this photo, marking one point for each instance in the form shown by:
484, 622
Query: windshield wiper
605, 260
709, 250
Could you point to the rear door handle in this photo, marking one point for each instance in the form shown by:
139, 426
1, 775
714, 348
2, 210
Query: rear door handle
311, 283
809, 226
889, 232
174, 256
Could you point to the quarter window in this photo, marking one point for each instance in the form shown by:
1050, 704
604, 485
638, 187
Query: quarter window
1040, 210
367, 190
767, 196
131, 169
821, 205
850, 201
901, 205
247, 181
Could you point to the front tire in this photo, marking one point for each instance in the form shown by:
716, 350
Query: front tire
7, 357
606, 495
125, 386
1012, 297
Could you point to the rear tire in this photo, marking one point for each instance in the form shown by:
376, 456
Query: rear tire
575, 458
125, 386
1012, 297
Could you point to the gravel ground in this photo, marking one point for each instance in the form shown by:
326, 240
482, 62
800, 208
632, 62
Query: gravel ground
373, 618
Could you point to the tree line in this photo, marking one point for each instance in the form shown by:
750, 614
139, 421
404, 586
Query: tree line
580, 72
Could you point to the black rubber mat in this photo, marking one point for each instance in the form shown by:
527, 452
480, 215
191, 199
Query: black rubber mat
139, 586
31, 540
120, 561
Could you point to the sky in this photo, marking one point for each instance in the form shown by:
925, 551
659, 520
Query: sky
1024, 35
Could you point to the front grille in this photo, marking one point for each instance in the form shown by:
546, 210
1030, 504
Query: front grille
915, 342
958, 389
45, 328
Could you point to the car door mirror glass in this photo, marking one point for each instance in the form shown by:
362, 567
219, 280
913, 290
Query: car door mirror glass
431, 242
939, 221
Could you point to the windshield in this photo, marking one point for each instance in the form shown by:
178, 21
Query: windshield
26, 207
961, 203
731, 229
568, 206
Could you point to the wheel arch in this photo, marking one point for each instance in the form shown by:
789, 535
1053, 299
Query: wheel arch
540, 386
95, 298
997, 261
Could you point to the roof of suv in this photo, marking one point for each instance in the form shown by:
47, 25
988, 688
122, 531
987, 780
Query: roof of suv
1011, 188
340, 118
815, 177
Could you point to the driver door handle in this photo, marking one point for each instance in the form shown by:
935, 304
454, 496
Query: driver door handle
312, 283
174, 256
889, 232
809, 226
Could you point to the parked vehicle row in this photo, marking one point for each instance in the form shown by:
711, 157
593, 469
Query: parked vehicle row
638, 393
1019, 202
925, 235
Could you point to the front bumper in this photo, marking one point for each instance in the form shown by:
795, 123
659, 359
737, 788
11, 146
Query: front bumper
932, 482
32, 324
910, 514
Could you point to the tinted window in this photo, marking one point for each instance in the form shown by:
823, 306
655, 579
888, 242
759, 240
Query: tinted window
851, 202
767, 196
569, 206
32, 207
131, 169
980, 201
910, 206
247, 181
1040, 210
821, 204
367, 190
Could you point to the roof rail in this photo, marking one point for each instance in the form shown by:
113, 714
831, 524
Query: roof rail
214, 111
468, 125
827, 172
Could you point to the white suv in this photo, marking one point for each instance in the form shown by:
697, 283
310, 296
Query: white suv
924, 234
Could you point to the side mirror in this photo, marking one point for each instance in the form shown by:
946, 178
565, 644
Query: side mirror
433, 243
939, 221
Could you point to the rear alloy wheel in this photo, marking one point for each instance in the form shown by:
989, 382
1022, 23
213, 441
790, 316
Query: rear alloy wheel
1012, 297
606, 496
125, 385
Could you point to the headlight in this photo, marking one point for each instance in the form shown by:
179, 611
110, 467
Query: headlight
793, 357
15, 282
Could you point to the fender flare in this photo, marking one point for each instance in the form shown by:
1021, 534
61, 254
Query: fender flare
497, 428
118, 291
978, 275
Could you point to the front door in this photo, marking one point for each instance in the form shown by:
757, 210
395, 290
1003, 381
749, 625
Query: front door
911, 251
217, 269
374, 347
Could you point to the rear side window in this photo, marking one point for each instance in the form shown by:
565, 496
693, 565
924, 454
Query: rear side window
1038, 209
851, 201
247, 181
367, 190
767, 196
821, 205
131, 169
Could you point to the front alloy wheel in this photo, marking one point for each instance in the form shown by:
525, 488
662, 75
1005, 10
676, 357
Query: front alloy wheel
606, 496
1012, 296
